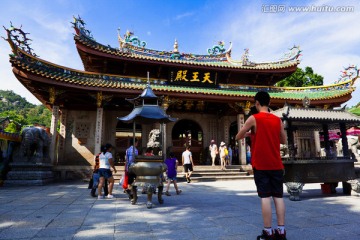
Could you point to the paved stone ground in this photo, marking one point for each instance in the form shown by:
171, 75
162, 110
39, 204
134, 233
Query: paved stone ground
210, 210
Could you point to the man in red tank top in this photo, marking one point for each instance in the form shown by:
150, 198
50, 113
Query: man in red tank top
267, 132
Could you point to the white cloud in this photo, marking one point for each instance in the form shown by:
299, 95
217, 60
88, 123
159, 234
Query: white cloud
52, 40
183, 15
329, 41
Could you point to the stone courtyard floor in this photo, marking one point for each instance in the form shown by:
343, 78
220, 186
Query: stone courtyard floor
205, 210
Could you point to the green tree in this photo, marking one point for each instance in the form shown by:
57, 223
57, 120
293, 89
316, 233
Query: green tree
11, 128
301, 78
39, 114
14, 116
22, 112
355, 110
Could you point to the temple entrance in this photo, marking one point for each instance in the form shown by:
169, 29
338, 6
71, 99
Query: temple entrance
233, 130
124, 131
188, 133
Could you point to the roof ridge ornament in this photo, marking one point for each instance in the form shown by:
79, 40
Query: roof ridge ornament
245, 58
130, 38
349, 73
175, 54
293, 55
79, 26
17, 38
306, 102
217, 49
176, 46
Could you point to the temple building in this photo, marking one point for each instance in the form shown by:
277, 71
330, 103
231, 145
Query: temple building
209, 94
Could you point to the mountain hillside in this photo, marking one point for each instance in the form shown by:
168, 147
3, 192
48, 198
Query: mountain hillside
21, 111
11, 101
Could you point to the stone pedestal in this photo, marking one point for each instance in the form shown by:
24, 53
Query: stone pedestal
29, 174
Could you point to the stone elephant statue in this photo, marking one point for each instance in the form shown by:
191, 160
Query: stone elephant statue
354, 145
35, 145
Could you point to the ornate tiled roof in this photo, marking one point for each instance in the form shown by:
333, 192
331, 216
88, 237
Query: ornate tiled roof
25, 60
10, 136
133, 48
316, 115
59, 74
313, 118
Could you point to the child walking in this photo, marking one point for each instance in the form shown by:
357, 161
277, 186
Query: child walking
171, 172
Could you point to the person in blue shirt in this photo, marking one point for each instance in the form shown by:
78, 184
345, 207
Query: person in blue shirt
131, 152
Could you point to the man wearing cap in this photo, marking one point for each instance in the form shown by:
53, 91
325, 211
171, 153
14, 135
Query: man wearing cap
213, 151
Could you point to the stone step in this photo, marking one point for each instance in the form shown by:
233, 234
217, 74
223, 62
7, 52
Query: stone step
214, 173
207, 173
215, 178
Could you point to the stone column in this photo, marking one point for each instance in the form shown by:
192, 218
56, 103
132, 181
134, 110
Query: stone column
99, 122
213, 133
241, 142
163, 135
317, 143
226, 131
54, 121
344, 142
326, 139
290, 140
98, 129
62, 136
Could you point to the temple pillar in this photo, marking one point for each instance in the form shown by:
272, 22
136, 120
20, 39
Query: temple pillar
326, 139
345, 145
99, 122
163, 135
98, 129
213, 133
62, 136
54, 121
241, 142
290, 139
317, 143
299, 144
226, 131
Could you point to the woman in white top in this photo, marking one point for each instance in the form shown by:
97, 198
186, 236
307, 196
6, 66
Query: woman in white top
106, 161
222, 155
213, 151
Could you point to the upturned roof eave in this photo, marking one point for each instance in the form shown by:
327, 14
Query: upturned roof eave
170, 92
127, 87
88, 49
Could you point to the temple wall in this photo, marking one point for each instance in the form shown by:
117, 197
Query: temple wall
205, 121
80, 137
80, 129
79, 143
109, 127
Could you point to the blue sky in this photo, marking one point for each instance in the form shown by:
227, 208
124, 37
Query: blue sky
330, 41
